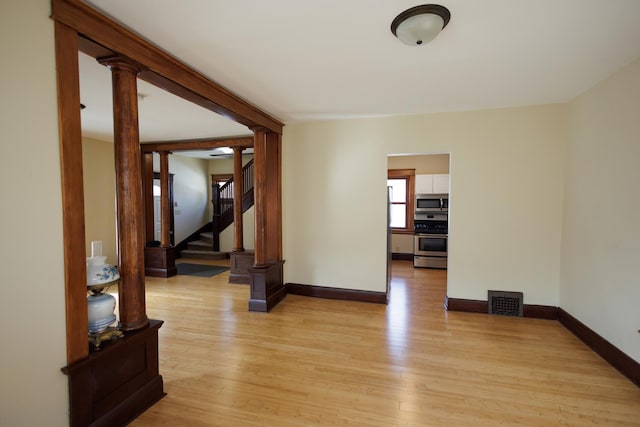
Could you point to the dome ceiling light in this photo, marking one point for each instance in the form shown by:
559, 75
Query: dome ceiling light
421, 24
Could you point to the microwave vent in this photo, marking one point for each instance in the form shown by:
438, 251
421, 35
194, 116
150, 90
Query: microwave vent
506, 303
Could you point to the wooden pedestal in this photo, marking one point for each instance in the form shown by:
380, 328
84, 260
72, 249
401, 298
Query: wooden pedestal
267, 287
160, 262
114, 385
240, 263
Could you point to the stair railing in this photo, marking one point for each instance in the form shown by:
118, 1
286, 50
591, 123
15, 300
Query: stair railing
222, 199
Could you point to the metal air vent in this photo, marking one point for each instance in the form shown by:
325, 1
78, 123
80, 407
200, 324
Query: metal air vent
505, 303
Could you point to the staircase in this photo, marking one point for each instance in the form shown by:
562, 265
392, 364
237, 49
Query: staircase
206, 245
201, 249
222, 199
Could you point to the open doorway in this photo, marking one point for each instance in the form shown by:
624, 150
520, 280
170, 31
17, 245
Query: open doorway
157, 194
419, 235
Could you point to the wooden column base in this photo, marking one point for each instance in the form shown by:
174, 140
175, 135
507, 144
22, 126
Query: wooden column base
267, 287
160, 262
114, 385
240, 263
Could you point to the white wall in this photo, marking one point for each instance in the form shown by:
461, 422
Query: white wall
505, 203
601, 230
190, 191
248, 233
33, 391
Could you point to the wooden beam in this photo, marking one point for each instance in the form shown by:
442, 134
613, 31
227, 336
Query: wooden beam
160, 68
197, 144
75, 275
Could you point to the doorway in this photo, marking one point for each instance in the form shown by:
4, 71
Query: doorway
411, 174
157, 221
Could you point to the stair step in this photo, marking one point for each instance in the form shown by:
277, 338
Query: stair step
207, 237
200, 245
195, 254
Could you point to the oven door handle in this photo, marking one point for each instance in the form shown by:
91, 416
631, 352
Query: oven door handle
432, 236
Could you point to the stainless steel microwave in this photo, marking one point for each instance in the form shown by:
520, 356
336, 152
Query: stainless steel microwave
434, 203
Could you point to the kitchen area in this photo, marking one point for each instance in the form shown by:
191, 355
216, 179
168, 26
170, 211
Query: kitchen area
422, 236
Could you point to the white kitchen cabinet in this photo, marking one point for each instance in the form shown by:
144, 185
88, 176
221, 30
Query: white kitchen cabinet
441, 183
432, 183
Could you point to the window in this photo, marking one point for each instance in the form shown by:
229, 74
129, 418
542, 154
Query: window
401, 183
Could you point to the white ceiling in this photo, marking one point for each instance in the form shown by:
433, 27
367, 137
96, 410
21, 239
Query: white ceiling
309, 60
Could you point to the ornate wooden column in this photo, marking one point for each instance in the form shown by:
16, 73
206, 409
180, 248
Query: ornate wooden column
160, 261
130, 206
240, 260
267, 285
165, 209
238, 190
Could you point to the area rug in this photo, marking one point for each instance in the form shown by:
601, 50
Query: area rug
201, 270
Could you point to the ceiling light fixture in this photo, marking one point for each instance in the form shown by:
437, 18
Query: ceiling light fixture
421, 24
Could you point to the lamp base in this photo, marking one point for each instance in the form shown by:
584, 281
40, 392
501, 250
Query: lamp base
109, 334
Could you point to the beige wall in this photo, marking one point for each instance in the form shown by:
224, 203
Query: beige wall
601, 232
100, 196
33, 391
423, 164
506, 198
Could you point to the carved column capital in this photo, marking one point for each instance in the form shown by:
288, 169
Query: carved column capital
119, 63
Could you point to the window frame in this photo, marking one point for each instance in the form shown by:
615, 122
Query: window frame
409, 175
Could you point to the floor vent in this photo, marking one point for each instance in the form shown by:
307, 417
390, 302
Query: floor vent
505, 303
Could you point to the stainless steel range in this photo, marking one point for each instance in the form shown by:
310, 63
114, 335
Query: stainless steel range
431, 232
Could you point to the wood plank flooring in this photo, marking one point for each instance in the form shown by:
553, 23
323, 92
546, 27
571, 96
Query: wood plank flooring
317, 362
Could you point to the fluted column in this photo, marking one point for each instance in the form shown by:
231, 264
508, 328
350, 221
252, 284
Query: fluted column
165, 207
238, 190
129, 199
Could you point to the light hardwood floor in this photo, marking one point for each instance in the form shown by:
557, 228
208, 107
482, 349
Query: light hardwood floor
317, 362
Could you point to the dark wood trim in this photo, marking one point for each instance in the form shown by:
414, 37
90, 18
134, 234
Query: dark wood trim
397, 256
400, 173
267, 288
160, 262
197, 144
540, 311
612, 354
192, 238
466, 305
117, 383
336, 293
70, 134
240, 263
160, 68
478, 306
